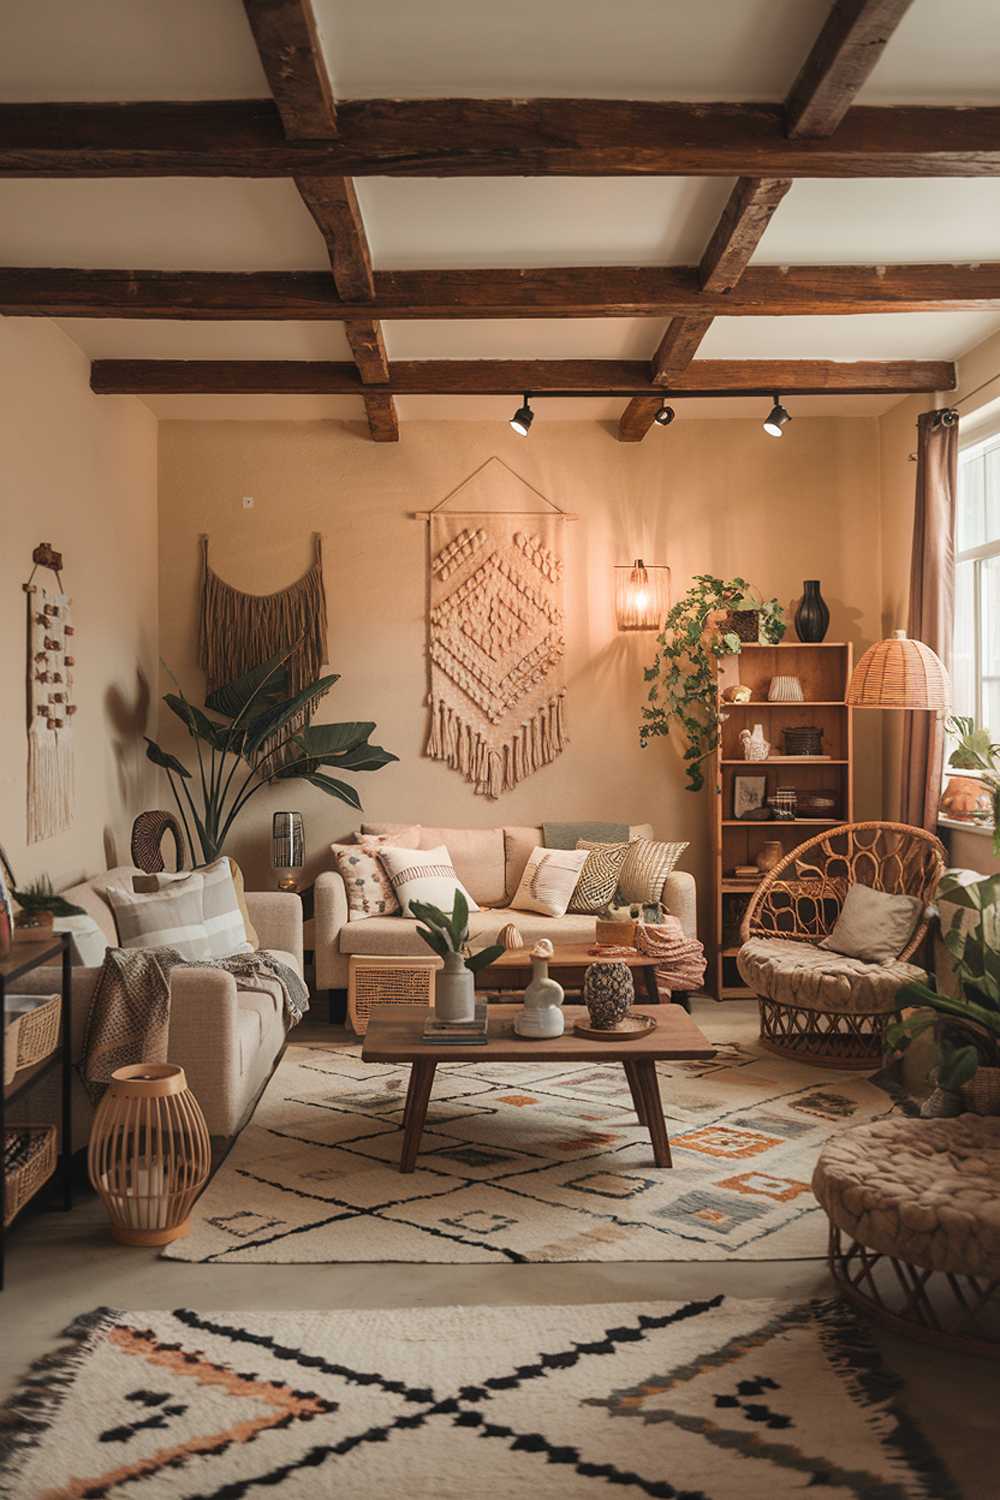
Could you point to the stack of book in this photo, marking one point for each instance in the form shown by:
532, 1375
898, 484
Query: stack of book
470, 1033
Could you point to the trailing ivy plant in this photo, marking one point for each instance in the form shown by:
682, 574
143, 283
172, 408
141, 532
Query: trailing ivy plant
683, 686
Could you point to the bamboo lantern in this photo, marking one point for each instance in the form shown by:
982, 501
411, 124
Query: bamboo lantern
900, 673
149, 1154
642, 595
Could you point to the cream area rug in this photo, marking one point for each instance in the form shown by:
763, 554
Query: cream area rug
712, 1400
530, 1162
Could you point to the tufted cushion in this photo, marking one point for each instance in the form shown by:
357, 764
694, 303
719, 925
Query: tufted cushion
816, 979
922, 1190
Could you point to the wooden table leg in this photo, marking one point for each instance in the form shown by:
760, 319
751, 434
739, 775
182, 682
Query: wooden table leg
651, 986
649, 1088
417, 1096
636, 1091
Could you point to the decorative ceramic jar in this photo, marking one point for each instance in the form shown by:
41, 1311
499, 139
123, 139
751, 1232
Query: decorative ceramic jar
541, 1014
769, 854
608, 992
755, 746
812, 618
455, 991
967, 799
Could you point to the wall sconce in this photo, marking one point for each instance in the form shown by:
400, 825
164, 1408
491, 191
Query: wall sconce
642, 595
288, 847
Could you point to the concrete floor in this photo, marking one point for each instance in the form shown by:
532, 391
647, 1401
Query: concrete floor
59, 1265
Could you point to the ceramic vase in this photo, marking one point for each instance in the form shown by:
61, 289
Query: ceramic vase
455, 991
770, 854
812, 618
755, 746
541, 1014
608, 992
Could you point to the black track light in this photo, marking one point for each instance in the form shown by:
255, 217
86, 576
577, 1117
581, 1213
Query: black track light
665, 415
522, 419
776, 419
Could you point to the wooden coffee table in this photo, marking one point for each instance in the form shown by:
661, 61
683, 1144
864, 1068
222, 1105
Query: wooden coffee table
568, 964
395, 1035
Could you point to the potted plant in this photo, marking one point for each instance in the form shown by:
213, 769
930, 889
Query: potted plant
39, 906
258, 738
696, 634
975, 799
965, 1026
448, 936
754, 618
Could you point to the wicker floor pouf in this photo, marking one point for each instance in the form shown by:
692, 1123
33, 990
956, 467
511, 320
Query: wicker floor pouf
914, 1210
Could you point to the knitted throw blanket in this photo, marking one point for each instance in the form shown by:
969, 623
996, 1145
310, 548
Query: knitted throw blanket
683, 958
129, 1020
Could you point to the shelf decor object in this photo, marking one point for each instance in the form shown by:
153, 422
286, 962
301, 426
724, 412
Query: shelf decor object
785, 690
812, 618
149, 1154
51, 669
900, 673
803, 739
288, 847
29, 1160
642, 595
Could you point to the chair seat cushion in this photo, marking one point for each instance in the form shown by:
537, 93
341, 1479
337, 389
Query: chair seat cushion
814, 978
924, 1191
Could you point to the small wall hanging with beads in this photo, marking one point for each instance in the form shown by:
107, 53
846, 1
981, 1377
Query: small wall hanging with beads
51, 705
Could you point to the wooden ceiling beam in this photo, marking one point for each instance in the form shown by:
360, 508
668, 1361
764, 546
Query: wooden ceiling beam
493, 137
459, 377
444, 295
847, 49
290, 52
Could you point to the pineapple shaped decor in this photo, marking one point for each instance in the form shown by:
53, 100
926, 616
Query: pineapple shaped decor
608, 992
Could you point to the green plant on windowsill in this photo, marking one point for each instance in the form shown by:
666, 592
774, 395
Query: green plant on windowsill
683, 687
975, 752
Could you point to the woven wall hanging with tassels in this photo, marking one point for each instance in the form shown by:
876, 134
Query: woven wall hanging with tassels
238, 631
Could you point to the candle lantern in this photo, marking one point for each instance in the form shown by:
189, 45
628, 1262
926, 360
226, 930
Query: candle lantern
642, 595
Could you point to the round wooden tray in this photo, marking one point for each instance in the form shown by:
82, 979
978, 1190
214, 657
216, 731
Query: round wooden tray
633, 1026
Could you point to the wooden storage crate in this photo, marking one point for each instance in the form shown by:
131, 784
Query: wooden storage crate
372, 981
31, 1152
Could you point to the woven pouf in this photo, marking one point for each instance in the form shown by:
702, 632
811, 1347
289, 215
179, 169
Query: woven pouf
914, 1210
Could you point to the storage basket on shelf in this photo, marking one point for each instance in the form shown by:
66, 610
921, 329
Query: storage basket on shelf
11, 1027
375, 981
803, 739
821, 803
29, 1160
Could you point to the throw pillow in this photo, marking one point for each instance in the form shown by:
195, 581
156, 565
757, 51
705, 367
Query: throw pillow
647, 865
221, 913
369, 889
423, 875
549, 879
169, 918
873, 925
595, 889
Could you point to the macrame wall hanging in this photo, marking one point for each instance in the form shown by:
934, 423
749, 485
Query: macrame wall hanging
238, 631
496, 640
51, 663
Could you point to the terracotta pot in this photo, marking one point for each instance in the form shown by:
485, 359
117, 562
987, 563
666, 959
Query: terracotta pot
769, 854
966, 797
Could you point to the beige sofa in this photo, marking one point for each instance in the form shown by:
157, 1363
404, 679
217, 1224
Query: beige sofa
489, 862
227, 1040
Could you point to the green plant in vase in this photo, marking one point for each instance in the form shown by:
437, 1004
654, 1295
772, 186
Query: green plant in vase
683, 686
256, 739
447, 935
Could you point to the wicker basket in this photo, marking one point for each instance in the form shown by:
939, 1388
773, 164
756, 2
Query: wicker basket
375, 981
803, 739
38, 1031
31, 1152
982, 1092
11, 1027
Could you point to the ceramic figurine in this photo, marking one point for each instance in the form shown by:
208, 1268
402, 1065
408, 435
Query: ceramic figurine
510, 937
541, 1015
608, 992
755, 746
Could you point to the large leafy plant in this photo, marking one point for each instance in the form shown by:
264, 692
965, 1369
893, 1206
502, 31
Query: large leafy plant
976, 752
445, 932
252, 735
974, 946
682, 677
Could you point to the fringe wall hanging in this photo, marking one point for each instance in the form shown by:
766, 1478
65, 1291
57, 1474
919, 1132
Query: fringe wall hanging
51, 661
496, 644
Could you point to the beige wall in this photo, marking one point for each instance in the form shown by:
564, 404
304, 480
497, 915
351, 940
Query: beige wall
79, 471
707, 496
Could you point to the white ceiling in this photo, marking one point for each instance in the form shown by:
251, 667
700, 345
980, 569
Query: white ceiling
187, 49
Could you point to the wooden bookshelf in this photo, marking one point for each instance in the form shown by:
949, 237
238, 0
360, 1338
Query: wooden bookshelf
824, 671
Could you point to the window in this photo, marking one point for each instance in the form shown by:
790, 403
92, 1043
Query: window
976, 654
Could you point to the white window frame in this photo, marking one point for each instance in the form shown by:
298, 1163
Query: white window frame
977, 556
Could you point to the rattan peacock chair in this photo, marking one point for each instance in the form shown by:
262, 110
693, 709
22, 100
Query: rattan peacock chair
816, 1005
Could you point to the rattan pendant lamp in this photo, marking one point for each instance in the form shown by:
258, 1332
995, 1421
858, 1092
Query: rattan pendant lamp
900, 673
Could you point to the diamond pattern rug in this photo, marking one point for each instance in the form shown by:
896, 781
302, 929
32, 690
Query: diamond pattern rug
531, 1162
706, 1400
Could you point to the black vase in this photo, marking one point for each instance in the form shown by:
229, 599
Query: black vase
812, 618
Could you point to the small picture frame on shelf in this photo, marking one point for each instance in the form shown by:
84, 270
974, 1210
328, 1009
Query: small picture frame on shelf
748, 795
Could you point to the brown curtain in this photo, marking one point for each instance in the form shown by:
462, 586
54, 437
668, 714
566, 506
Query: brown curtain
932, 600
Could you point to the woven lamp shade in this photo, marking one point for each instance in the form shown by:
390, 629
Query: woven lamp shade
900, 673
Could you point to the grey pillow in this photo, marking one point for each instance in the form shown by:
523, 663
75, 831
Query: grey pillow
873, 925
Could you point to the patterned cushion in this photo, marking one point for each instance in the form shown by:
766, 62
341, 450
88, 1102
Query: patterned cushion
595, 889
423, 875
813, 978
169, 918
221, 914
549, 879
647, 865
369, 889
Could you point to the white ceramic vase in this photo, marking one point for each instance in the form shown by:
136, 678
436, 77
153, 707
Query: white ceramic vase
755, 746
455, 991
541, 1015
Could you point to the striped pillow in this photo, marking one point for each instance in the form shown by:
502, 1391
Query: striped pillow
599, 878
221, 914
548, 882
171, 918
423, 875
647, 865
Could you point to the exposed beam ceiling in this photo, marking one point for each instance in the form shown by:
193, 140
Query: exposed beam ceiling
499, 377
292, 58
564, 292
493, 137
846, 51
